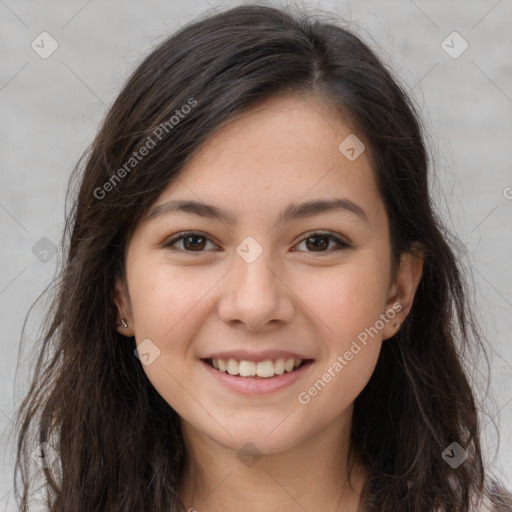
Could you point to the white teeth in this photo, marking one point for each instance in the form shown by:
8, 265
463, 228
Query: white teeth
288, 366
247, 368
279, 366
233, 367
266, 369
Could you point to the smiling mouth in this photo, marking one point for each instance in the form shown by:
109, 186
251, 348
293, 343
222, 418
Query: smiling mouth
262, 370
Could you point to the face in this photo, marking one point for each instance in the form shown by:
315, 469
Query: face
264, 277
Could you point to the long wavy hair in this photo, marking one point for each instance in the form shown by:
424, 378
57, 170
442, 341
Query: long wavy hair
119, 445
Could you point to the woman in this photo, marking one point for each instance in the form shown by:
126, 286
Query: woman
260, 308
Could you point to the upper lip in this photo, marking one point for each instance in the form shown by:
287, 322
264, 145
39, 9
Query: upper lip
244, 355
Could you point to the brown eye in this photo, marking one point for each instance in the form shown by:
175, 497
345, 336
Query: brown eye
196, 242
319, 242
190, 242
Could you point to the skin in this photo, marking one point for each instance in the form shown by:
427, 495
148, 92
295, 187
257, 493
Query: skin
293, 296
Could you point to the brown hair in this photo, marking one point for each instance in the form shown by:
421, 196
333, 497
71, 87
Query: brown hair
119, 443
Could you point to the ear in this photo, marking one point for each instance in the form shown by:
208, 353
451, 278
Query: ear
124, 309
403, 289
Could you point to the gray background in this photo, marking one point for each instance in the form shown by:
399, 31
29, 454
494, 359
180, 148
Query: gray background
51, 108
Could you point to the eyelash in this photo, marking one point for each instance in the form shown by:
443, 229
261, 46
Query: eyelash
181, 236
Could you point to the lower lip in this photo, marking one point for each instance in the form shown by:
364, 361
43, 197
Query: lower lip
253, 386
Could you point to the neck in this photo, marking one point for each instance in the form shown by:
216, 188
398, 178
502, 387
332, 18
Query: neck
311, 476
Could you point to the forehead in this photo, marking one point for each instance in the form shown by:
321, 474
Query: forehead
283, 127
286, 149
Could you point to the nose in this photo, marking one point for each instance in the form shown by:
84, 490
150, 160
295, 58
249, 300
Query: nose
256, 295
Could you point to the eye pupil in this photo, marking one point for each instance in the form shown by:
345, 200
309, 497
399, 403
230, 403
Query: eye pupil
194, 245
320, 245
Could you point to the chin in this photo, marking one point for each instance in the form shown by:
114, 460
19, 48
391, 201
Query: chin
248, 438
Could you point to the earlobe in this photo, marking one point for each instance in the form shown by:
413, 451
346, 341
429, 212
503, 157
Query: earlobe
404, 289
124, 317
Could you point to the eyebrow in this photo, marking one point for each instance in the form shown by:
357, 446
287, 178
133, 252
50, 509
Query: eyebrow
293, 211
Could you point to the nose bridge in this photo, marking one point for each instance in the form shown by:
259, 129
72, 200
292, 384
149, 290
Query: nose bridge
253, 277
255, 294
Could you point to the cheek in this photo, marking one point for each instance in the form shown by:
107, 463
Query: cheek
349, 304
167, 300
166, 303
169, 306
334, 388
347, 299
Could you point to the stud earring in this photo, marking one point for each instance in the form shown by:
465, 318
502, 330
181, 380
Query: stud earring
124, 324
